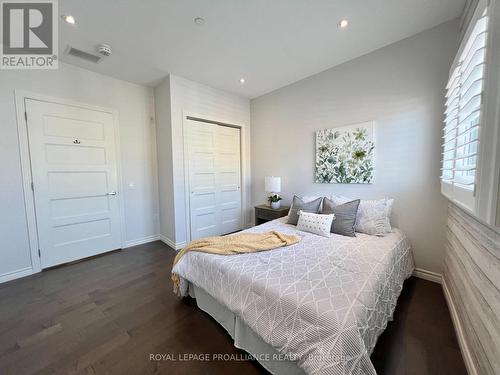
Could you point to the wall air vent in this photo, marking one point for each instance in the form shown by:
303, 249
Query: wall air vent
78, 53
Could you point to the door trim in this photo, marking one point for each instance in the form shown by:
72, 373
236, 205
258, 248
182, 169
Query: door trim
187, 201
24, 153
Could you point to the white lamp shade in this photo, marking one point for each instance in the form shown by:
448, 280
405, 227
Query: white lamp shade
273, 184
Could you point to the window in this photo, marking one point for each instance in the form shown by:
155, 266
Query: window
464, 99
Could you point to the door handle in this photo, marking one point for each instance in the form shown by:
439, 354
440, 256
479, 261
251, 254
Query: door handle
112, 193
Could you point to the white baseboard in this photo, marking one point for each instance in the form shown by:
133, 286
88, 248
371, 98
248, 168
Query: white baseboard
464, 348
141, 241
428, 275
29, 271
16, 274
172, 244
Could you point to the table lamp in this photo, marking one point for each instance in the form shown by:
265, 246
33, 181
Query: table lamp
273, 186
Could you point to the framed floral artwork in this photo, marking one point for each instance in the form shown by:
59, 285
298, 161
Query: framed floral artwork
345, 155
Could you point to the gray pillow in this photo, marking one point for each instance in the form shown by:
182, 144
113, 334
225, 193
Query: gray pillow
299, 205
345, 216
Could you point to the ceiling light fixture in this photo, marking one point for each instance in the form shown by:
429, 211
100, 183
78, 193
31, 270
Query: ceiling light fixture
69, 19
242, 80
343, 24
199, 21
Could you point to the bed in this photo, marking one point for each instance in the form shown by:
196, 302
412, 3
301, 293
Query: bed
316, 307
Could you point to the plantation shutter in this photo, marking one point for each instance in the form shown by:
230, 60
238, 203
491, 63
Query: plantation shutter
464, 97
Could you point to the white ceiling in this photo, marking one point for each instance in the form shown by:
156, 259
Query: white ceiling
270, 43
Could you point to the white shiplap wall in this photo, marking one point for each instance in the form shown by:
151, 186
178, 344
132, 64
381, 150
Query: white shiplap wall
191, 98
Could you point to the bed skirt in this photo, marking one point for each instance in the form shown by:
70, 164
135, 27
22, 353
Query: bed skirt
244, 337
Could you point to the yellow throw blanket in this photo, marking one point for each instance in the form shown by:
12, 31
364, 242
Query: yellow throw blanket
235, 244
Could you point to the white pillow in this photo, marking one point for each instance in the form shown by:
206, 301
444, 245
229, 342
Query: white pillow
315, 223
374, 216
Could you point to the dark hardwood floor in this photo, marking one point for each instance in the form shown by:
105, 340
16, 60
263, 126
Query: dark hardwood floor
106, 315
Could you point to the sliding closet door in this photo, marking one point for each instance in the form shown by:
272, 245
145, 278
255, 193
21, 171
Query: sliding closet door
228, 178
214, 176
200, 146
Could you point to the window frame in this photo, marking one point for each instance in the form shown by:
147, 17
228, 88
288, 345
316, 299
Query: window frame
483, 201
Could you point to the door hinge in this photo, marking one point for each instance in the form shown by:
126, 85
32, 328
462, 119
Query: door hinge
26, 115
39, 253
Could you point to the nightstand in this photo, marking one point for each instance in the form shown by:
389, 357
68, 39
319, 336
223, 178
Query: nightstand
264, 213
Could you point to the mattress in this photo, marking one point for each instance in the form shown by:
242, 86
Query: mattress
322, 302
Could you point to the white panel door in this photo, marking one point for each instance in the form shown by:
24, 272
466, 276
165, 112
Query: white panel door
202, 179
73, 165
228, 178
214, 179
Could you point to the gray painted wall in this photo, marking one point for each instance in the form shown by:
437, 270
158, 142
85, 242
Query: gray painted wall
137, 147
402, 88
165, 163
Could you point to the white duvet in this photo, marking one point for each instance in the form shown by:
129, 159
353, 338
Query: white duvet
323, 302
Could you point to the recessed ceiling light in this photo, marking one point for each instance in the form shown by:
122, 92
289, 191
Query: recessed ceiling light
69, 19
343, 24
242, 80
199, 21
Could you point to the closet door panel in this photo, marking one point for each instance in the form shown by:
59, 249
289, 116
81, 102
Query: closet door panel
203, 200
229, 178
214, 169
